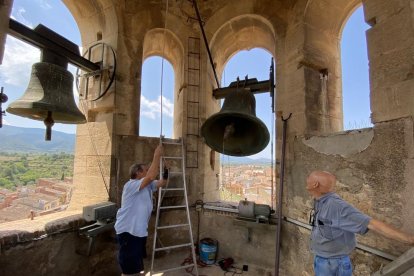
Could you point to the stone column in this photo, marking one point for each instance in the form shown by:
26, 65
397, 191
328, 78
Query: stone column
310, 86
5, 10
95, 161
391, 57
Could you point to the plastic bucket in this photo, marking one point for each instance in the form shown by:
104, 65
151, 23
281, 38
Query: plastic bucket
208, 250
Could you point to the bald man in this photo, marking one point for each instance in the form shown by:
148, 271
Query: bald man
334, 225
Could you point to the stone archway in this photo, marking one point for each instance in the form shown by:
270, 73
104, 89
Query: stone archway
164, 43
95, 18
241, 33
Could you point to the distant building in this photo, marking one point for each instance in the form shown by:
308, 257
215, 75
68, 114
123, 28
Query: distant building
7, 197
39, 201
15, 212
48, 196
59, 188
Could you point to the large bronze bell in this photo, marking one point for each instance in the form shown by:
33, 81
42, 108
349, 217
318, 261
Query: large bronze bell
49, 95
236, 130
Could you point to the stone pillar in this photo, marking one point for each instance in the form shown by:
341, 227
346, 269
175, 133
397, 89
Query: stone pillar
95, 161
391, 57
311, 87
5, 10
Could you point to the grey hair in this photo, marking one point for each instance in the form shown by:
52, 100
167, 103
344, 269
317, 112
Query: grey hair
134, 169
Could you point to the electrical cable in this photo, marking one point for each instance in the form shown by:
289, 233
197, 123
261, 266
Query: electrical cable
189, 260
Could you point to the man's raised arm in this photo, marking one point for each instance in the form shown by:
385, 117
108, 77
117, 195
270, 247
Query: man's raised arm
153, 169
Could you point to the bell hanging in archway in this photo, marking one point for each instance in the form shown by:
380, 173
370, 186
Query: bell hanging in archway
236, 130
49, 95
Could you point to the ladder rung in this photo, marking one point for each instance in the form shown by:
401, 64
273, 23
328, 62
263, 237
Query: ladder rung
172, 157
171, 143
175, 172
173, 189
173, 246
172, 226
172, 207
174, 268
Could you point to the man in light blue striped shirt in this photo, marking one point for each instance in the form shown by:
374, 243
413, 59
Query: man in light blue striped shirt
334, 225
132, 218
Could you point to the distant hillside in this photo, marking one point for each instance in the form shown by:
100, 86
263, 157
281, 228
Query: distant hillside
19, 139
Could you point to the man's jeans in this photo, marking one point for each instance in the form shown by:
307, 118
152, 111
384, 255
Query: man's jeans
332, 266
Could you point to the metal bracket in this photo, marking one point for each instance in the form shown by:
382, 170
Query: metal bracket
91, 231
106, 74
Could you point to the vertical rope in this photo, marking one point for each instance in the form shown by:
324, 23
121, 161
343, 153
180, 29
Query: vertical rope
162, 65
272, 197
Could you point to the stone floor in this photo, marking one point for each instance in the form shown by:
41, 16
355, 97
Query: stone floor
176, 258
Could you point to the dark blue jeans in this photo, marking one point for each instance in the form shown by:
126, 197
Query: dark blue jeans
340, 266
131, 253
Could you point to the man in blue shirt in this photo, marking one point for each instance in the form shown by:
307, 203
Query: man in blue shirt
132, 218
334, 225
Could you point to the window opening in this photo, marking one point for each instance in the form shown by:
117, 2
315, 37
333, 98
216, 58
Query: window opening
355, 73
35, 175
149, 119
248, 177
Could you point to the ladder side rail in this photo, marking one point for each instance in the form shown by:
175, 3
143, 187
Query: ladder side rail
190, 229
156, 221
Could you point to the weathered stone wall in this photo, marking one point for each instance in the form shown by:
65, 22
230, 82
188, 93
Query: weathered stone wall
57, 250
245, 242
372, 168
391, 54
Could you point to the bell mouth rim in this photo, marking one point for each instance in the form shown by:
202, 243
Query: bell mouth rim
209, 122
57, 116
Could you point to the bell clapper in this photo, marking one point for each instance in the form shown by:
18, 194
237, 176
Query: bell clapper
228, 130
49, 122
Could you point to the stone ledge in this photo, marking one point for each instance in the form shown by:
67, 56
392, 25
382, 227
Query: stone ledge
23, 231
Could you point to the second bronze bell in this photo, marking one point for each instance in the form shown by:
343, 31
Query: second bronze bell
236, 130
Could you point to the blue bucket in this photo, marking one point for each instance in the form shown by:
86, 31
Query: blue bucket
208, 250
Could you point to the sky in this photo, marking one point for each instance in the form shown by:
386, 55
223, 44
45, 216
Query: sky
19, 57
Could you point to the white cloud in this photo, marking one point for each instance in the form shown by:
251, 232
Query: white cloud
5, 122
18, 14
44, 4
17, 62
151, 109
